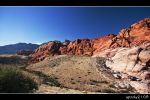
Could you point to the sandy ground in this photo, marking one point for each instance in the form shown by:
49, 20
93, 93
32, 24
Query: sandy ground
76, 72
66, 74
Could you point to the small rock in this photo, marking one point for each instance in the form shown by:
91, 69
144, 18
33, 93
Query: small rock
123, 84
116, 85
124, 76
117, 76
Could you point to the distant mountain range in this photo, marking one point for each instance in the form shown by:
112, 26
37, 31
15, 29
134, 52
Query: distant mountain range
14, 48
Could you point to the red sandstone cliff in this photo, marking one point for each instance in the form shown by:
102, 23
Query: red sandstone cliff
136, 34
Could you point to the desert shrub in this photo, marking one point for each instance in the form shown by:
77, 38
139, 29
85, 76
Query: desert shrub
13, 60
13, 81
52, 81
101, 62
48, 80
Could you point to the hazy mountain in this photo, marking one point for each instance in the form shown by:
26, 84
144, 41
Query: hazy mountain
13, 48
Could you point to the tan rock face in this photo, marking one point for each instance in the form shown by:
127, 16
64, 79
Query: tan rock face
141, 87
127, 60
134, 61
144, 56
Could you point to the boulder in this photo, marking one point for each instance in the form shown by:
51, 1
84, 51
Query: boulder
144, 56
145, 75
140, 86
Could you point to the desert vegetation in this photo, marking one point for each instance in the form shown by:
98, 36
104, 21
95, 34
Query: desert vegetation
78, 73
13, 81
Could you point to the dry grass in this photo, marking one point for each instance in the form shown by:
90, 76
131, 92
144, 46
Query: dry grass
67, 74
13, 80
78, 73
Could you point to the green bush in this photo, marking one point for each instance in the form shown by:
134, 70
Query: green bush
13, 81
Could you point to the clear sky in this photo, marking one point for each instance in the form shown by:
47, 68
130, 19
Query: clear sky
43, 24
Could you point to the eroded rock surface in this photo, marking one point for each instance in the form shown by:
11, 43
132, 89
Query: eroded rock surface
131, 61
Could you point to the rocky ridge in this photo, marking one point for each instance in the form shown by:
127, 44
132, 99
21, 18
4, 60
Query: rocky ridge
135, 35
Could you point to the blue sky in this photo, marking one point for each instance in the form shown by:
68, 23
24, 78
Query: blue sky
43, 24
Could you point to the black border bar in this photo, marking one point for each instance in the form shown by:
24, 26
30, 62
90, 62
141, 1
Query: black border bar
75, 3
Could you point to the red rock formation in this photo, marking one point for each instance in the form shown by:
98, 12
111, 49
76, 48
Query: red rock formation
46, 50
102, 43
80, 47
134, 35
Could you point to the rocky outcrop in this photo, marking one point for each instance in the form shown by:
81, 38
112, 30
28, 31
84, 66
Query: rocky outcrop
80, 47
133, 61
102, 43
46, 50
83, 47
135, 35
77, 47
